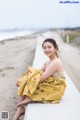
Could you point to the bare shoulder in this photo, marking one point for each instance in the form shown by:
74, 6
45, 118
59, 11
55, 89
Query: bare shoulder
57, 63
47, 62
52, 63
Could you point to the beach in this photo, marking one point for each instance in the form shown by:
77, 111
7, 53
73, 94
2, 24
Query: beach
16, 55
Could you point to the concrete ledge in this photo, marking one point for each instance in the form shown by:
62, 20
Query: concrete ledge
67, 109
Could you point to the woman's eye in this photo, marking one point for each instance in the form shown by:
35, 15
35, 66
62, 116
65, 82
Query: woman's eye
47, 47
44, 47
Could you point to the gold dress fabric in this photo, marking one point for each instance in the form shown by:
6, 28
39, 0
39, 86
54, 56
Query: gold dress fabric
50, 90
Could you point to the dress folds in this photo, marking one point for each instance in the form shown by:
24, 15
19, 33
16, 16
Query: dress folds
50, 90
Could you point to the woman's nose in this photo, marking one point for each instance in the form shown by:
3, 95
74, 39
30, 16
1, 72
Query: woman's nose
46, 49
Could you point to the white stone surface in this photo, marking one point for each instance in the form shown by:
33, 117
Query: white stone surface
67, 109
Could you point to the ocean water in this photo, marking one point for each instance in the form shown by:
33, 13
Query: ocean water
5, 35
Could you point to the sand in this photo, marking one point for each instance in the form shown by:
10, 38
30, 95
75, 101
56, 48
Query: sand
16, 55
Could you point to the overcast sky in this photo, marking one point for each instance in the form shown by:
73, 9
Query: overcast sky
38, 14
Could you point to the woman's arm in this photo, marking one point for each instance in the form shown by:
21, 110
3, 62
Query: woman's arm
52, 67
43, 67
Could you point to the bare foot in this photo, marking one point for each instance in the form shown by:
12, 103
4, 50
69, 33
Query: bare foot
25, 102
19, 112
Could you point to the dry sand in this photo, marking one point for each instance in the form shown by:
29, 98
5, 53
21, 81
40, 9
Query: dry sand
15, 56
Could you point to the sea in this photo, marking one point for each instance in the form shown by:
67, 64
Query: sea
12, 34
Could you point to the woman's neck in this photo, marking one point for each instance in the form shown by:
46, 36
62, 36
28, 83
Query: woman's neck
52, 57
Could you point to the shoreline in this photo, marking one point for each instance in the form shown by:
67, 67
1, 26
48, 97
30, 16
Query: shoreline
14, 34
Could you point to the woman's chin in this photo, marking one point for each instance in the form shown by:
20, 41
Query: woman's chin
48, 55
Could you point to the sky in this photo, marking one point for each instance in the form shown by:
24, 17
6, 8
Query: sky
31, 14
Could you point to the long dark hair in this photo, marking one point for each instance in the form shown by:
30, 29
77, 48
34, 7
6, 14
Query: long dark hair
53, 42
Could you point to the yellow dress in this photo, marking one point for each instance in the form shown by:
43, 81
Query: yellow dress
50, 90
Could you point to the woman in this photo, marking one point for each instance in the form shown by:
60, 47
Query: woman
44, 85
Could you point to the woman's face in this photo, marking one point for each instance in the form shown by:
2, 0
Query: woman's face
48, 49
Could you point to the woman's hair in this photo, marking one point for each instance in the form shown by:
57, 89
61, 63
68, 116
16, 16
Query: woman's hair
53, 42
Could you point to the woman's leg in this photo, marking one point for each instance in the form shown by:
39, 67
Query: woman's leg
25, 101
20, 109
20, 98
